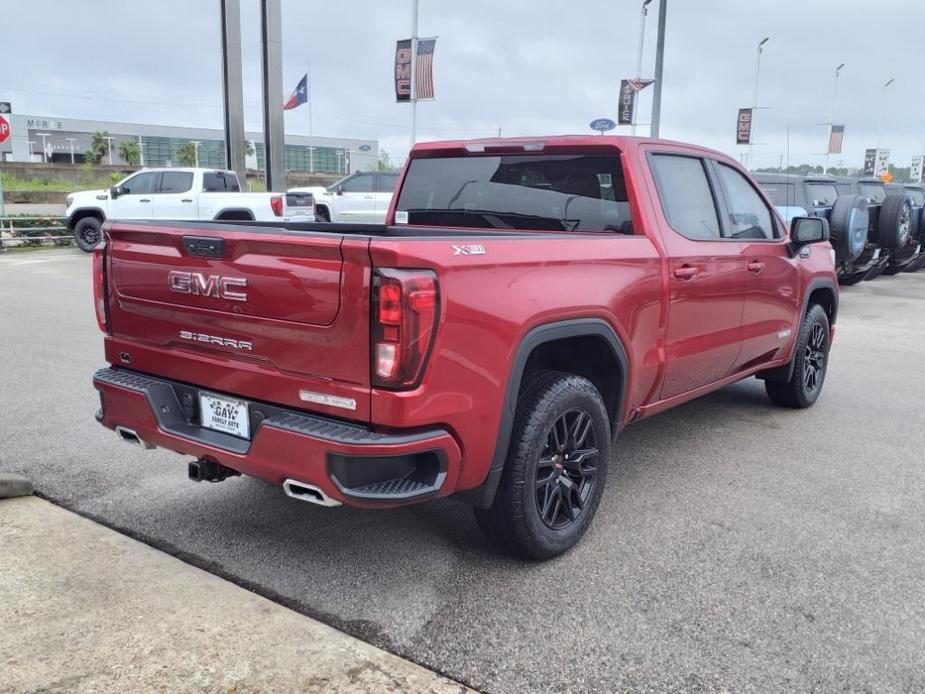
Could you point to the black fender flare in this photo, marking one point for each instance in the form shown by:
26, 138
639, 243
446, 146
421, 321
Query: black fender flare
483, 495
784, 373
236, 210
82, 212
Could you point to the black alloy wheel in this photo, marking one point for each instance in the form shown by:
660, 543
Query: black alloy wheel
814, 359
567, 468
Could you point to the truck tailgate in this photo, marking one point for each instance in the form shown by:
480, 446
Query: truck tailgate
279, 312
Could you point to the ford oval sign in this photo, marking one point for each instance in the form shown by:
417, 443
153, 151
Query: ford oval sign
603, 124
364, 148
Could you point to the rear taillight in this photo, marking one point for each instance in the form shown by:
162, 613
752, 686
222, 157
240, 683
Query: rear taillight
99, 286
406, 304
276, 202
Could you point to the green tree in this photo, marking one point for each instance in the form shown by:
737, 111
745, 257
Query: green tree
186, 154
99, 146
130, 152
385, 161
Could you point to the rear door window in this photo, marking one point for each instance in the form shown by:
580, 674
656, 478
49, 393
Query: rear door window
543, 192
686, 196
821, 194
749, 216
875, 192
175, 182
387, 183
220, 182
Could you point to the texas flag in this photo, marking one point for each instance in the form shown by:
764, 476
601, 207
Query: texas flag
299, 96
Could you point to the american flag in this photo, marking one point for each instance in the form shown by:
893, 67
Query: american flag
836, 137
424, 69
638, 84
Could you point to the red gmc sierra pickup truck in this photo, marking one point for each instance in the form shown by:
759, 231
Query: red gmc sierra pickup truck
525, 300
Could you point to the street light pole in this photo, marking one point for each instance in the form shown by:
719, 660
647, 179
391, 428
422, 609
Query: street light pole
751, 140
882, 108
72, 140
109, 147
196, 144
642, 40
44, 145
414, 60
659, 68
825, 166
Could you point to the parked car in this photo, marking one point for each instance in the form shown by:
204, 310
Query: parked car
361, 197
912, 259
890, 231
182, 194
847, 213
526, 300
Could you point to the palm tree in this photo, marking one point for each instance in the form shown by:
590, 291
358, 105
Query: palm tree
186, 154
99, 146
130, 152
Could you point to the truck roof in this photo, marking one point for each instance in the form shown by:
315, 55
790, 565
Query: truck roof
548, 142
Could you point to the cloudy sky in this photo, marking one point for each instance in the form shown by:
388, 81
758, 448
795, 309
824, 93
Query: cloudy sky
528, 67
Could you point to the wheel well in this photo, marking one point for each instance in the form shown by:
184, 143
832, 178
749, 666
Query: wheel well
323, 206
235, 215
588, 356
83, 214
825, 297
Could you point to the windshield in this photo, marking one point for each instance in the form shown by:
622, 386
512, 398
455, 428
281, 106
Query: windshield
821, 194
537, 192
875, 192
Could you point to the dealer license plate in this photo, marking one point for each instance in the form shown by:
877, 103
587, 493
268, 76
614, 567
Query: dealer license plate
222, 414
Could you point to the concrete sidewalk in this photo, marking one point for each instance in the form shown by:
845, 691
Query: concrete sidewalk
84, 608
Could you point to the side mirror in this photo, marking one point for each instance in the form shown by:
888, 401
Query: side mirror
115, 192
339, 190
807, 230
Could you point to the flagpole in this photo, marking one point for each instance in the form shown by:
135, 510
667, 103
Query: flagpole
311, 134
414, 60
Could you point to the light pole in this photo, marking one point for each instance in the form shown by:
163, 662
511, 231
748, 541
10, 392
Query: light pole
141, 152
44, 145
196, 144
659, 68
642, 40
109, 147
882, 108
72, 140
31, 144
751, 140
828, 145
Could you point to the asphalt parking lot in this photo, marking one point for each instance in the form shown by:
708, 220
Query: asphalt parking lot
738, 546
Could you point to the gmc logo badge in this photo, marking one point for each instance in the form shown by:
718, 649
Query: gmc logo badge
215, 286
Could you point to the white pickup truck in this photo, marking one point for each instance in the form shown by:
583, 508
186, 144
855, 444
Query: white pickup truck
180, 194
363, 196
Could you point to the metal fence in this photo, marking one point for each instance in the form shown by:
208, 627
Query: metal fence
34, 231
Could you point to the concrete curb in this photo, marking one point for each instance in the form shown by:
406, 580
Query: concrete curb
14, 485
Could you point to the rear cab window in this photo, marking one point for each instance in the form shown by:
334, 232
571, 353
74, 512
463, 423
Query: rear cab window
541, 192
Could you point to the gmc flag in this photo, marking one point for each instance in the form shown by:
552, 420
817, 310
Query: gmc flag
870, 161
744, 127
627, 107
423, 70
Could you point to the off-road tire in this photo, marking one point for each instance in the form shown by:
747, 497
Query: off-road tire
895, 224
848, 226
88, 232
533, 471
810, 354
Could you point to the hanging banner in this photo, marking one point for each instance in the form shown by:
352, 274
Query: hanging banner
423, 70
403, 70
628, 90
883, 162
744, 127
836, 138
915, 173
870, 161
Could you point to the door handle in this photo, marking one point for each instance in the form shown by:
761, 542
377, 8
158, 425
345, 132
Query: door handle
145, 200
186, 200
755, 266
367, 197
685, 272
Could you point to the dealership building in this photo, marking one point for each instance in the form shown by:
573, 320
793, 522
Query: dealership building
64, 140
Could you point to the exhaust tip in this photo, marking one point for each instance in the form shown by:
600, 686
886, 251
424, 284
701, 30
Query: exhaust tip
130, 436
308, 492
